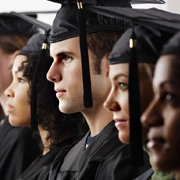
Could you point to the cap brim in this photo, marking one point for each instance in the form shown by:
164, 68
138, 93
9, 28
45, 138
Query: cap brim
147, 2
33, 21
153, 17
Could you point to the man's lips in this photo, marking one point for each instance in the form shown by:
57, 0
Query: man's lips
59, 93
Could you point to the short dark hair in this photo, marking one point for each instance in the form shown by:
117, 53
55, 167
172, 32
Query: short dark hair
101, 43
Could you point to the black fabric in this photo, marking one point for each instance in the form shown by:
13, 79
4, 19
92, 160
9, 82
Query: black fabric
65, 24
33, 46
172, 46
39, 169
149, 42
116, 166
33, 21
18, 149
160, 19
12, 25
83, 163
146, 175
147, 2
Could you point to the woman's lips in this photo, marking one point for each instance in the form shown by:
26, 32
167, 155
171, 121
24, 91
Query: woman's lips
155, 143
10, 108
119, 122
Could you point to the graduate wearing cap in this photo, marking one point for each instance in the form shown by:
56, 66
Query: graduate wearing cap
161, 118
15, 142
149, 42
56, 129
87, 93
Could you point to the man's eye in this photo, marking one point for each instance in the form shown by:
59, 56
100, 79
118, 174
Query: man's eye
123, 86
67, 58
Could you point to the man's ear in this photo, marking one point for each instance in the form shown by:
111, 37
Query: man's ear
15, 53
107, 64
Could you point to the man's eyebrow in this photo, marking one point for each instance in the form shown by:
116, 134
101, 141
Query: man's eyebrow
63, 53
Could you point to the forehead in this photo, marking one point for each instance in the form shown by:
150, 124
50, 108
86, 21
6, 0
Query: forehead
119, 69
64, 46
17, 62
167, 69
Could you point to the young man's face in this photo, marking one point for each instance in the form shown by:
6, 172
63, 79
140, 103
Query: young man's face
66, 74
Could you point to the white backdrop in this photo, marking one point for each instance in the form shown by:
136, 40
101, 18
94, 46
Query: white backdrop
44, 5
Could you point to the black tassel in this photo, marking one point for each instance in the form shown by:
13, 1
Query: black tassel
134, 106
36, 76
84, 58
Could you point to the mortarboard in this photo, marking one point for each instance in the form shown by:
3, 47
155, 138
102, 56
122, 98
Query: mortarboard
12, 25
172, 46
154, 17
149, 42
37, 45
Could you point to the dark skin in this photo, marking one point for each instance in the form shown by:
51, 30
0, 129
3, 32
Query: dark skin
162, 117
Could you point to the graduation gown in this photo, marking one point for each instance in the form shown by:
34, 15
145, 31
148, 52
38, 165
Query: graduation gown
40, 167
114, 169
146, 176
85, 163
18, 148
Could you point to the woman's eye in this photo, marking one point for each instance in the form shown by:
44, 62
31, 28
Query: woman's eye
21, 80
123, 86
169, 97
172, 99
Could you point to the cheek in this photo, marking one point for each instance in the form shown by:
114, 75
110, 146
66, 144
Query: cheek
172, 127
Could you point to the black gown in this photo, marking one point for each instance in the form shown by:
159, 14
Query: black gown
18, 148
146, 175
85, 163
39, 168
114, 169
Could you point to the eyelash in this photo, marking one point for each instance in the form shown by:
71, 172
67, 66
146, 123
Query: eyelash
123, 86
66, 58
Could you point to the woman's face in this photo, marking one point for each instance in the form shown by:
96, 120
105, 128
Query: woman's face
162, 117
18, 106
118, 100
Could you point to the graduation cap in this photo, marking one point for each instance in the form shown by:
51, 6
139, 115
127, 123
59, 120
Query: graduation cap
38, 44
172, 46
12, 25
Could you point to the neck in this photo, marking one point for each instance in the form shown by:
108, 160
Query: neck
46, 142
97, 118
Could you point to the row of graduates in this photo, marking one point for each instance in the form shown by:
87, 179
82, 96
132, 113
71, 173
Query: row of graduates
104, 151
